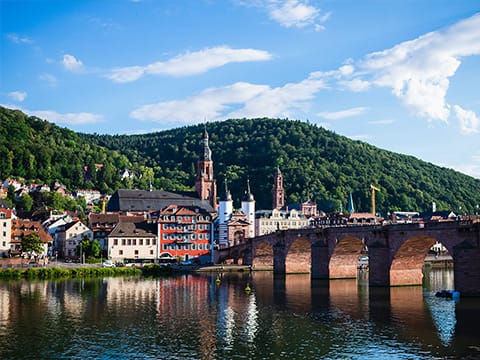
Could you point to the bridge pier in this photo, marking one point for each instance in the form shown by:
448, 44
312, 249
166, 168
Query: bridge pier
378, 265
319, 267
279, 259
467, 269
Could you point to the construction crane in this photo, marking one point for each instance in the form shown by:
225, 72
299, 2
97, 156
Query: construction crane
373, 189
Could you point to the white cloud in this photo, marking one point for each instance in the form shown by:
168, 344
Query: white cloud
71, 63
381, 122
18, 95
18, 39
418, 71
469, 121
343, 113
49, 79
190, 63
292, 13
68, 118
249, 100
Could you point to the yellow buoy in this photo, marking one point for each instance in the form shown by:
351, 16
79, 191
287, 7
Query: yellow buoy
247, 288
217, 280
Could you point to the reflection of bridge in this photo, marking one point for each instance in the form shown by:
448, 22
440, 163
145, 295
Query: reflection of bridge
396, 252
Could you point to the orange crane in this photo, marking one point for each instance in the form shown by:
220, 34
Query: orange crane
373, 189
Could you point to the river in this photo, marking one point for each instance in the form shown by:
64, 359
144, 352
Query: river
193, 316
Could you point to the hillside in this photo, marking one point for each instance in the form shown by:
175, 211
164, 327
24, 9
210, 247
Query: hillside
41, 152
316, 163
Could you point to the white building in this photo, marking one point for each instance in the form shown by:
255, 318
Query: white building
132, 240
5, 231
69, 236
267, 221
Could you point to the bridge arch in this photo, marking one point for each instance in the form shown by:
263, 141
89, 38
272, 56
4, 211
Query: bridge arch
407, 263
343, 262
299, 256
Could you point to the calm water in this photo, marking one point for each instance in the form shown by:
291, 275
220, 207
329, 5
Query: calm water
191, 317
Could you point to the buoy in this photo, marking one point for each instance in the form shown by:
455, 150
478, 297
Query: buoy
217, 280
247, 288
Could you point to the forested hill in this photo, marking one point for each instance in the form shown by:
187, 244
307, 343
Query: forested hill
316, 164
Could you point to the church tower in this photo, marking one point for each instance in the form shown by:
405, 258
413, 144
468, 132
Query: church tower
248, 208
205, 184
278, 192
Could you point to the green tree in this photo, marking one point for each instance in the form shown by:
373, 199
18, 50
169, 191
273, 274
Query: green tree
25, 202
32, 242
95, 248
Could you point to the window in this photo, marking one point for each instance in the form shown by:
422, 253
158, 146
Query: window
123, 242
151, 252
115, 241
120, 252
136, 252
129, 241
134, 242
140, 242
154, 241
147, 242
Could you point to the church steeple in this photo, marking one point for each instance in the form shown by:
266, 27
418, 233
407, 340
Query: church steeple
278, 192
205, 184
207, 153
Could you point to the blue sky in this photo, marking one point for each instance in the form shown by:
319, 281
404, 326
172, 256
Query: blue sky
401, 75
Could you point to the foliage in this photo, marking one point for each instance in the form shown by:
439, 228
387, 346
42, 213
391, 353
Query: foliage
32, 242
88, 248
61, 273
41, 152
317, 164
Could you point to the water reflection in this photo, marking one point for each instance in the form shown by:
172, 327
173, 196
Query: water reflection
191, 316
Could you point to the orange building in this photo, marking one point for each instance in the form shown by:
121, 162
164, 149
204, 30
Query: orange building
185, 232
22, 228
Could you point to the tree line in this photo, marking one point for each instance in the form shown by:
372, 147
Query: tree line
317, 164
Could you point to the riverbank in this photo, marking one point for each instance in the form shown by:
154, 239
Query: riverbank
52, 273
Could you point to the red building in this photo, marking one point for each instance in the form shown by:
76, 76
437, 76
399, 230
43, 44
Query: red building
185, 232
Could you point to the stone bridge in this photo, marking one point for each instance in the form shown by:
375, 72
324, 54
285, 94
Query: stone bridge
396, 252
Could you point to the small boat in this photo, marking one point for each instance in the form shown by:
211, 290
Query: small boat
449, 294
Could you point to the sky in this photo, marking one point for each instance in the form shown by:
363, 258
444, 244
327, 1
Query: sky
402, 75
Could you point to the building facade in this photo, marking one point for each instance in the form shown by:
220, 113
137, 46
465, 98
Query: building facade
69, 236
133, 240
185, 232
5, 231
22, 228
267, 221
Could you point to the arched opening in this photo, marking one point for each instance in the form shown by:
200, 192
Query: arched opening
238, 237
407, 264
263, 257
299, 257
345, 258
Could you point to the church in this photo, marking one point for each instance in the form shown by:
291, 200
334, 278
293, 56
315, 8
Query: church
144, 201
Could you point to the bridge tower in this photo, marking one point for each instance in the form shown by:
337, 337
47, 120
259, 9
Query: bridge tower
248, 207
225, 212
